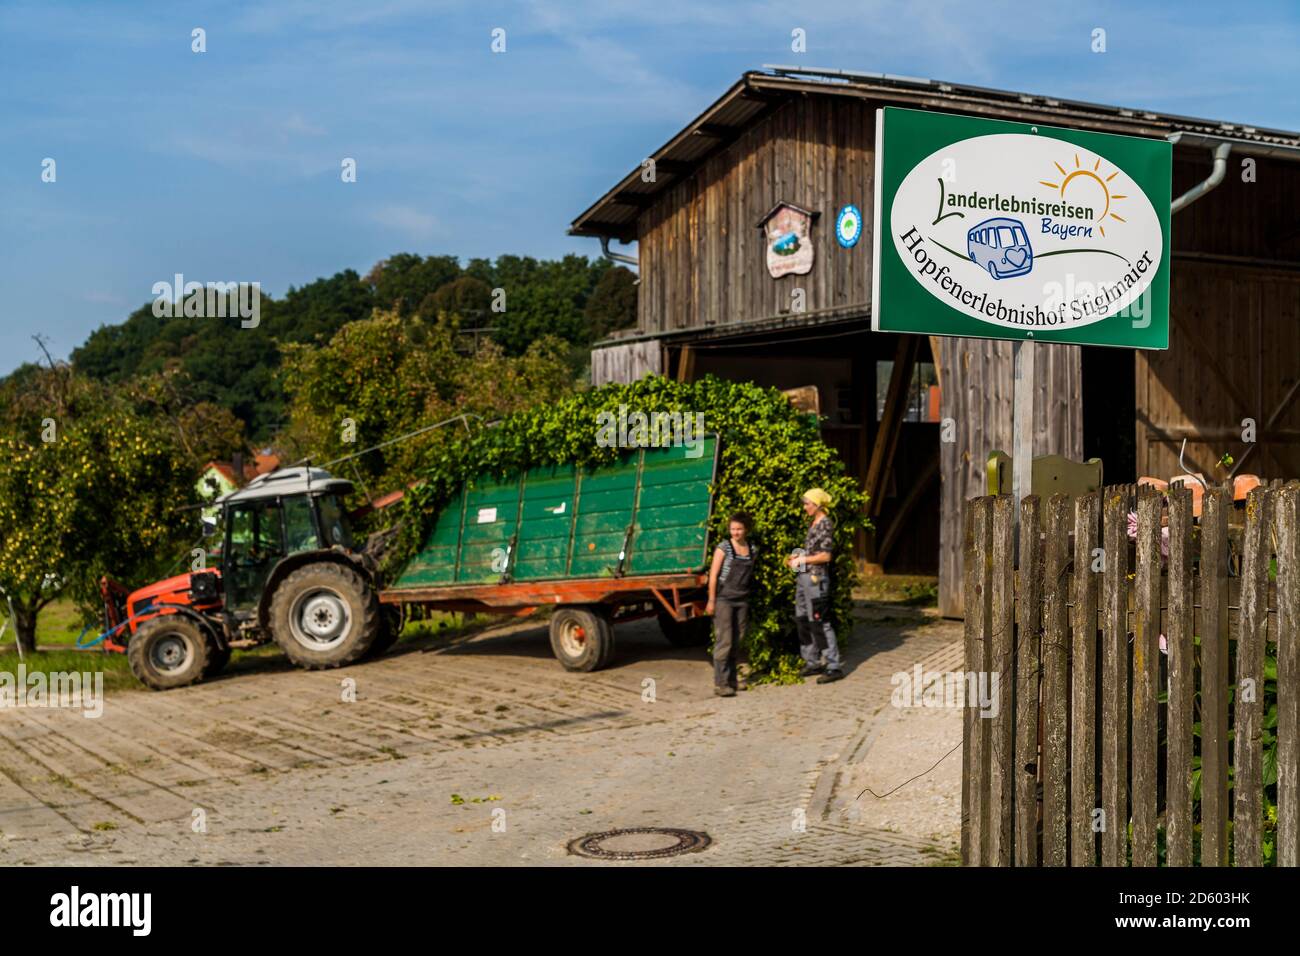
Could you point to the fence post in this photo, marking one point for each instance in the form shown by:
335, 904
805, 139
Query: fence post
1056, 682
1029, 591
1248, 719
1213, 629
1083, 689
978, 574
1182, 686
1287, 525
1115, 684
1146, 676
1001, 650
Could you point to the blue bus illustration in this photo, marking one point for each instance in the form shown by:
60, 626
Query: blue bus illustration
787, 245
1001, 246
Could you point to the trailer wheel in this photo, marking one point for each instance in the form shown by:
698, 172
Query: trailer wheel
582, 638
324, 615
693, 632
168, 651
217, 660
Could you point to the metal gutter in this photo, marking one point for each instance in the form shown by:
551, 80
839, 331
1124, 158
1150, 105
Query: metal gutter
1220, 147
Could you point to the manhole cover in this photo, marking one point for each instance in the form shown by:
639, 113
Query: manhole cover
639, 843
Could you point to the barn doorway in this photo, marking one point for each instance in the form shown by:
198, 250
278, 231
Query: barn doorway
865, 420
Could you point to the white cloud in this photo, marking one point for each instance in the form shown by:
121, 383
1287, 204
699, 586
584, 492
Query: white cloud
407, 220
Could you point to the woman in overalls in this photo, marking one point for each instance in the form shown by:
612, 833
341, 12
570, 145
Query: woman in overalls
731, 579
812, 595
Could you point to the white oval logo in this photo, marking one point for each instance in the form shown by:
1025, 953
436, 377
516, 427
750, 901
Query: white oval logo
1026, 232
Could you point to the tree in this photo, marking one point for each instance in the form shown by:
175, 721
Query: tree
385, 376
612, 304
223, 362
467, 298
402, 282
89, 485
238, 368
205, 430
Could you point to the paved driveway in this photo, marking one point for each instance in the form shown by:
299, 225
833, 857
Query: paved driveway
486, 752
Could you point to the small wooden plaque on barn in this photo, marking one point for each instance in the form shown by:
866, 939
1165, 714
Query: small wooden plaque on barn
789, 239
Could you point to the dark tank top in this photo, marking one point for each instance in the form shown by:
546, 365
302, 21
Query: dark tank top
736, 578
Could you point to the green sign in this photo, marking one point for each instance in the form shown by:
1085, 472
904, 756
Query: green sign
1003, 230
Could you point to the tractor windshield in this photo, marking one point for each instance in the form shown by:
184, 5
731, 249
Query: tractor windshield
334, 525
299, 526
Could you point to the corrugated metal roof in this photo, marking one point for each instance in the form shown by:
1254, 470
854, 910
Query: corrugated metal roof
759, 91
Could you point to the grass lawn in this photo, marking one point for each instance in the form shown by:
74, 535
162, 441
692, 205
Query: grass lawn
59, 624
117, 674
914, 590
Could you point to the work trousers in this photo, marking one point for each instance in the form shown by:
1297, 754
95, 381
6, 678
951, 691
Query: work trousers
817, 642
730, 619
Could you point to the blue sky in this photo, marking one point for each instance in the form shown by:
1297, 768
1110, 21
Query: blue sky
225, 165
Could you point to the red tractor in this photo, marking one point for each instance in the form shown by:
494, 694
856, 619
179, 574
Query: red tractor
286, 568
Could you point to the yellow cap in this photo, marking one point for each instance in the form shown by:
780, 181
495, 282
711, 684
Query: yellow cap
818, 497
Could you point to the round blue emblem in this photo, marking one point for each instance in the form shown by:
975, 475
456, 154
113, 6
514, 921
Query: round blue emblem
848, 226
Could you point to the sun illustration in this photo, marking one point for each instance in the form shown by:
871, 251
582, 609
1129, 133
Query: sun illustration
1082, 173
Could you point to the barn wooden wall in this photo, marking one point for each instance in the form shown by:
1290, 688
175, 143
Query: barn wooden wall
702, 253
627, 362
1234, 353
976, 380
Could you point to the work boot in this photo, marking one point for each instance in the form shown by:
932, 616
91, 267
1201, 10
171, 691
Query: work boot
831, 677
810, 669
724, 692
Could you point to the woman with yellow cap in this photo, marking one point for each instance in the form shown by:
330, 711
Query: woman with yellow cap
812, 596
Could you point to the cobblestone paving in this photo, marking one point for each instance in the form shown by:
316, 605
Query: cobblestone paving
477, 753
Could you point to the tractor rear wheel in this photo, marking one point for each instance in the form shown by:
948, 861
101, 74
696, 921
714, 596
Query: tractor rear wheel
168, 651
392, 620
582, 637
217, 660
325, 615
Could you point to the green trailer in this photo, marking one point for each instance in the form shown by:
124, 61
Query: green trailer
600, 546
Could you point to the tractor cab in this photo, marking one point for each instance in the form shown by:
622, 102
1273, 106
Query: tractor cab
284, 567
273, 517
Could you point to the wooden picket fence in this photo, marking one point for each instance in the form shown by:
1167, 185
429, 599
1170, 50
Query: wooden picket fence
1094, 716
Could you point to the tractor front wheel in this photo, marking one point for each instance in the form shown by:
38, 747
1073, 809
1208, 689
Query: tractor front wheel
168, 651
325, 615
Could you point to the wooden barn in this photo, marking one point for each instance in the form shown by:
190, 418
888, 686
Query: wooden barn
783, 137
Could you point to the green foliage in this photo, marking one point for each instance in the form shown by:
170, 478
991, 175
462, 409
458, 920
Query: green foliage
1268, 761
401, 282
390, 376
770, 454
612, 304
227, 365
90, 477
466, 298
238, 369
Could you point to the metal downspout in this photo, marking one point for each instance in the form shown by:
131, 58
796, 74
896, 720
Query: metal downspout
1220, 154
618, 256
